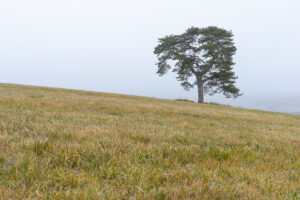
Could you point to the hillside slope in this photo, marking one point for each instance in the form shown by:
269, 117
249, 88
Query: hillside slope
70, 144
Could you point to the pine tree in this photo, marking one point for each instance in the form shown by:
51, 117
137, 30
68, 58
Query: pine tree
206, 54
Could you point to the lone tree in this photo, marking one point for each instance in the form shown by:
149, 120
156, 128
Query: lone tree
205, 53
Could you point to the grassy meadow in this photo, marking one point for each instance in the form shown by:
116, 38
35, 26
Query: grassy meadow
67, 144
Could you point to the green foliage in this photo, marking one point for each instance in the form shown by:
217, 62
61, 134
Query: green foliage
205, 53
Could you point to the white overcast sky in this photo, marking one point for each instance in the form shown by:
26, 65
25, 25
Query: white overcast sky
108, 46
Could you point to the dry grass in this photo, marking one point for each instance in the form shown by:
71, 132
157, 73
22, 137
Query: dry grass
65, 144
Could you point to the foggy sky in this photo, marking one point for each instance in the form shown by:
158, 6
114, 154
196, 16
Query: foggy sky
108, 46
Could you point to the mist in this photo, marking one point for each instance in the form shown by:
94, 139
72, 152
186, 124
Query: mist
107, 46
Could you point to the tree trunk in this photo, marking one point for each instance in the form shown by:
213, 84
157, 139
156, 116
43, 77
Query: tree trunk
200, 89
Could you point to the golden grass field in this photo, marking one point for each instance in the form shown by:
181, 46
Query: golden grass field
67, 144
